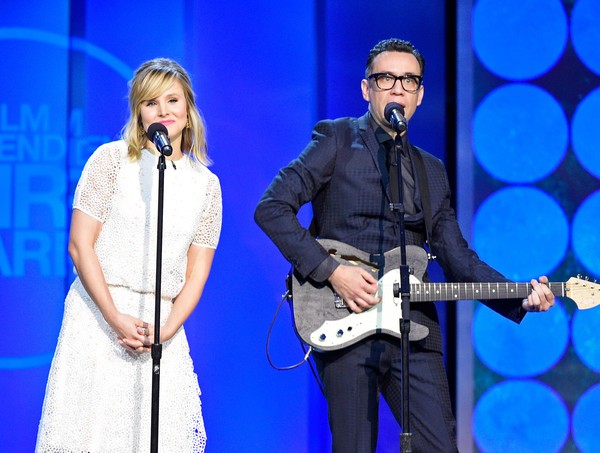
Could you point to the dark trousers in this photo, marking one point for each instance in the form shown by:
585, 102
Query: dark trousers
353, 379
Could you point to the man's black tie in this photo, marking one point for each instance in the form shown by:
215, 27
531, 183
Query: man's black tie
408, 181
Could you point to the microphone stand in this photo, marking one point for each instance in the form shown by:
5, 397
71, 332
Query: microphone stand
403, 291
156, 348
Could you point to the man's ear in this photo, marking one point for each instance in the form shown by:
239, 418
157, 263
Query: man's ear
364, 86
421, 94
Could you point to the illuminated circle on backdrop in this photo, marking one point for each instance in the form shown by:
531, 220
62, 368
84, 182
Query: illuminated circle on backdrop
519, 39
520, 133
502, 418
585, 421
585, 32
492, 332
522, 232
585, 235
586, 133
99, 54
586, 337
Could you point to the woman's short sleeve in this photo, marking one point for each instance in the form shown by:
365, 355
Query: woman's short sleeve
97, 183
209, 229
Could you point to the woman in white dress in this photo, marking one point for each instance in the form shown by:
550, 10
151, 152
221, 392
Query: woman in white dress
99, 392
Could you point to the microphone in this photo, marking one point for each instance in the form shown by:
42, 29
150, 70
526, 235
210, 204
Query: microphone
159, 135
394, 114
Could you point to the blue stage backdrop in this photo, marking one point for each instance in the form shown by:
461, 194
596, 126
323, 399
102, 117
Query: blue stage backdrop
264, 73
534, 72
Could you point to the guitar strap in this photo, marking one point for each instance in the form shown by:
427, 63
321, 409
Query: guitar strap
421, 180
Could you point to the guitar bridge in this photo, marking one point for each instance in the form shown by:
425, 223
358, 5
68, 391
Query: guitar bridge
338, 302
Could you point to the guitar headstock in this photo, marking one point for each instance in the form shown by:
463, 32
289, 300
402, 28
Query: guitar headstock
584, 293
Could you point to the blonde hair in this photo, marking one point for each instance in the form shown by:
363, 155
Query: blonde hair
149, 81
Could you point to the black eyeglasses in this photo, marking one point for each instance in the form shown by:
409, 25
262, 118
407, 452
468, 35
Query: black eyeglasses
385, 81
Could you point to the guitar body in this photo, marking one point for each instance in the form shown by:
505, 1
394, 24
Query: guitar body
322, 319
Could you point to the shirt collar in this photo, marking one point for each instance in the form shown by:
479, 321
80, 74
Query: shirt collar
381, 135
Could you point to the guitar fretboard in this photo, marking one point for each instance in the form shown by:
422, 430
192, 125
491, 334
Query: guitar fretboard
429, 292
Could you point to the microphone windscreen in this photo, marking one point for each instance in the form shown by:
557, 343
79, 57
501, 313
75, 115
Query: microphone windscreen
154, 128
387, 113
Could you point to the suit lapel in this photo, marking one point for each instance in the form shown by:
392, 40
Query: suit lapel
370, 141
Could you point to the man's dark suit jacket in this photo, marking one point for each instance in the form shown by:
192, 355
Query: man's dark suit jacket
339, 173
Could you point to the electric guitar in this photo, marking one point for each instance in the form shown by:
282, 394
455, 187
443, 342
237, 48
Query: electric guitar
323, 320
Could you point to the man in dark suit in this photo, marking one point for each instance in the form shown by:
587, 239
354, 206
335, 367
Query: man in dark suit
343, 173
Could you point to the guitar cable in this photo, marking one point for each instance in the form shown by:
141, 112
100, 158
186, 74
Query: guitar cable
288, 296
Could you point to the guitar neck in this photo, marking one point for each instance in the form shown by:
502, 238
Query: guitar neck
429, 292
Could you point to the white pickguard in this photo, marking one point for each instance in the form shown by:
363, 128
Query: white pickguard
382, 318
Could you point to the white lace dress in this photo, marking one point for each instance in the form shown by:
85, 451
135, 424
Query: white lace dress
98, 397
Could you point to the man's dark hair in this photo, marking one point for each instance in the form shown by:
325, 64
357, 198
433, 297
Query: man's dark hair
394, 45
